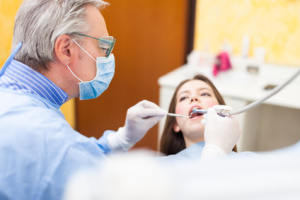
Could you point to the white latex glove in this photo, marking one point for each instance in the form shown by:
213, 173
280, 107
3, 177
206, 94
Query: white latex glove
220, 134
140, 118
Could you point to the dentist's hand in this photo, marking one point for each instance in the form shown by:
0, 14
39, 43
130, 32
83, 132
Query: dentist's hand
140, 118
220, 134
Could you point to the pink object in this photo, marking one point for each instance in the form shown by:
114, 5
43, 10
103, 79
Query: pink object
222, 63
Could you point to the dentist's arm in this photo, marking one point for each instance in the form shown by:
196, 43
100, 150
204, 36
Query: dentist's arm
220, 135
139, 119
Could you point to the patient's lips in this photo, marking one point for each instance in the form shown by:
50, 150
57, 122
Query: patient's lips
195, 115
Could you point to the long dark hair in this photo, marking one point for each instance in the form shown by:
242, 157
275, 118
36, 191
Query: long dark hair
172, 142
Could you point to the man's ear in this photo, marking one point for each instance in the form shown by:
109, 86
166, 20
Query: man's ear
176, 128
62, 49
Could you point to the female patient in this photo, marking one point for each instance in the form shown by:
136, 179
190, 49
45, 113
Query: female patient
180, 133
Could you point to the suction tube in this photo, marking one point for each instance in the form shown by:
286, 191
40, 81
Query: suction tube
272, 92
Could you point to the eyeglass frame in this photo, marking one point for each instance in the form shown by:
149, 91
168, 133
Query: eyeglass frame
109, 42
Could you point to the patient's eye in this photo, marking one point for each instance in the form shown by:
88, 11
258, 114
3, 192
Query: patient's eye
183, 98
206, 94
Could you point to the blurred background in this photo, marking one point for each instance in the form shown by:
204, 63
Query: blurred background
154, 37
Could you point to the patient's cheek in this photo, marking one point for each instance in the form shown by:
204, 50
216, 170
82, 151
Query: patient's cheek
179, 109
211, 104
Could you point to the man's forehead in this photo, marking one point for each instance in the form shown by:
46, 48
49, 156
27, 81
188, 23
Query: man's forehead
96, 22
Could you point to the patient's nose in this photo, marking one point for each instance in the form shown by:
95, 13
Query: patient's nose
194, 99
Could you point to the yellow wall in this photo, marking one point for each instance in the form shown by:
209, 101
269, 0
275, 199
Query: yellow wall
273, 24
8, 9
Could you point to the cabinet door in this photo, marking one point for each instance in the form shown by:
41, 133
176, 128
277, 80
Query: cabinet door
151, 40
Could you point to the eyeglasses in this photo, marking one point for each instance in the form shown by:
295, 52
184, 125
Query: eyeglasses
106, 43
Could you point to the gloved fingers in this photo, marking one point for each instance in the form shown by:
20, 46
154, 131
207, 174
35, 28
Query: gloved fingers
147, 112
152, 113
223, 110
211, 112
225, 107
212, 117
151, 121
203, 121
138, 112
222, 132
146, 109
147, 104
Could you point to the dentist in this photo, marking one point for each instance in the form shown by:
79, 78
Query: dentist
61, 50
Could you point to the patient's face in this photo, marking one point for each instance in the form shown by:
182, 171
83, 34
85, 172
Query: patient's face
194, 93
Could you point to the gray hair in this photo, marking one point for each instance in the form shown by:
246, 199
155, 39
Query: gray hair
40, 22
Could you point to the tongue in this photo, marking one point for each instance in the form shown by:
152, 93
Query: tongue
195, 115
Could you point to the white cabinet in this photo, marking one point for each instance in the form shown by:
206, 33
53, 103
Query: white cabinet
272, 125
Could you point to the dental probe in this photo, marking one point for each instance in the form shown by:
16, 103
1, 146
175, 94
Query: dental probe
226, 112
177, 115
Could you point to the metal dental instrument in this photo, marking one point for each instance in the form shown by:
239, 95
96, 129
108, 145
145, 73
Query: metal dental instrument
225, 112
221, 112
177, 115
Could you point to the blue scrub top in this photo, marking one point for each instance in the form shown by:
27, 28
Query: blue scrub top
39, 150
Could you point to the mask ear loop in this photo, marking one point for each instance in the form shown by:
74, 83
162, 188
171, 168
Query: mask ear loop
84, 51
74, 74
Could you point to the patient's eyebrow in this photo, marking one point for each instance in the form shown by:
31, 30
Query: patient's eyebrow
199, 89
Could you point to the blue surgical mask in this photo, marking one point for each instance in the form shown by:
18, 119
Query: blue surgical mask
105, 73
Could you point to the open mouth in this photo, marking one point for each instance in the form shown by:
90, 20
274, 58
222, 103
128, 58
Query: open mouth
194, 115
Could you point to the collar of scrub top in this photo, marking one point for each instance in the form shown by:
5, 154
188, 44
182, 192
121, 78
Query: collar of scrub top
10, 58
59, 97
